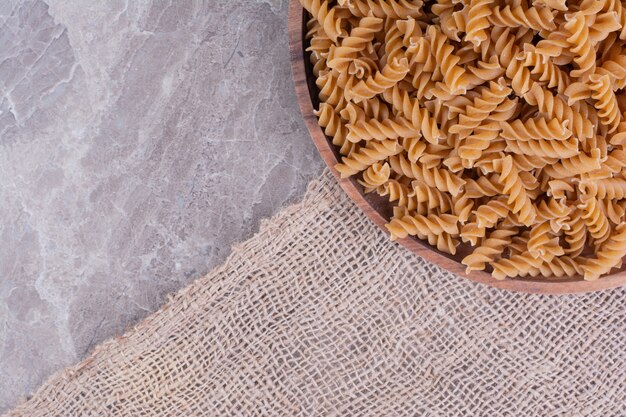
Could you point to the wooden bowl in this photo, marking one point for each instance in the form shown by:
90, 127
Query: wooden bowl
379, 210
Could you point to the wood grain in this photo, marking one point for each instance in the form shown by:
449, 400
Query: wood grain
378, 210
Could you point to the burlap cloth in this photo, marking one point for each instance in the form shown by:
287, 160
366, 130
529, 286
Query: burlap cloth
319, 314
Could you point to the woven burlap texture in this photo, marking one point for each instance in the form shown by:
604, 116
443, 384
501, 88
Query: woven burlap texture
319, 314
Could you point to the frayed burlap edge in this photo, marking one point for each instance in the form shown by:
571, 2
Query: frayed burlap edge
318, 314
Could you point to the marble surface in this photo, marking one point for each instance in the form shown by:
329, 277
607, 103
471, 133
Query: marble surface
139, 140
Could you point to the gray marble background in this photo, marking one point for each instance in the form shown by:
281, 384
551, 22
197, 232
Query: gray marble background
139, 140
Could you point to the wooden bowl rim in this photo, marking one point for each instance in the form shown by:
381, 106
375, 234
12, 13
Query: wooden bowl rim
535, 286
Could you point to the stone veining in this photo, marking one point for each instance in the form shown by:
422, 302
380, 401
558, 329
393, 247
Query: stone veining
138, 142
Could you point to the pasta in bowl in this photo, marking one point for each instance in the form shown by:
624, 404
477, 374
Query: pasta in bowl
487, 138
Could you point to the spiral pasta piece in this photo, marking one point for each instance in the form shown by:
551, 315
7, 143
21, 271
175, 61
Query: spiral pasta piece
330, 92
374, 108
376, 175
390, 75
432, 197
462, 207
420, 56
334, 127
530, 162
472, 148
560, 189
555, 212
411, 31
433, 177
331, 23
551, 4
540, 241
442, 179
414, 148
395, 9
619, 137
387, 129
362, 67
615, 68
611, 188
340, 57
516, 265
468, 53
576, 92
454, 75
471, 233
491, 213
319, 44
422, 64
453, 163
544, 70
544, 148
519, 244
491, 154
562, 266
434, 154
532, 18
512, 185
595, 219
399, 193
581, 46
480, 108
576, 165
614, 210
315, 31
554, 45
484, 71
319, 64
444, 10
375, 151
420, 117
606, 103
608, 256
477, 21
393, 45
483, 187
489, 250
444, 242
353, 113
399, 228
505, 46
556, 107
617, 7
591, 7
615, 161
601, 25
575, 234
535, 129
423, 84
530, 183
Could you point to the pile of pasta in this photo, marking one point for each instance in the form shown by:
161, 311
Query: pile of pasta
498, 125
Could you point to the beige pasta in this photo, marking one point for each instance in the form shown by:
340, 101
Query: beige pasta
394, 9
533, 18
340, 57
563, 266
608, 255
544, 70
580, 44
477, 21
489, 250
495, 126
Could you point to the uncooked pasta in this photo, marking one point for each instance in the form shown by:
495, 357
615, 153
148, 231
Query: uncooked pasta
495, 126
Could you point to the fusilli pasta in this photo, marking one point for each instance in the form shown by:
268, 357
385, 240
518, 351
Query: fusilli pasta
498, 126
